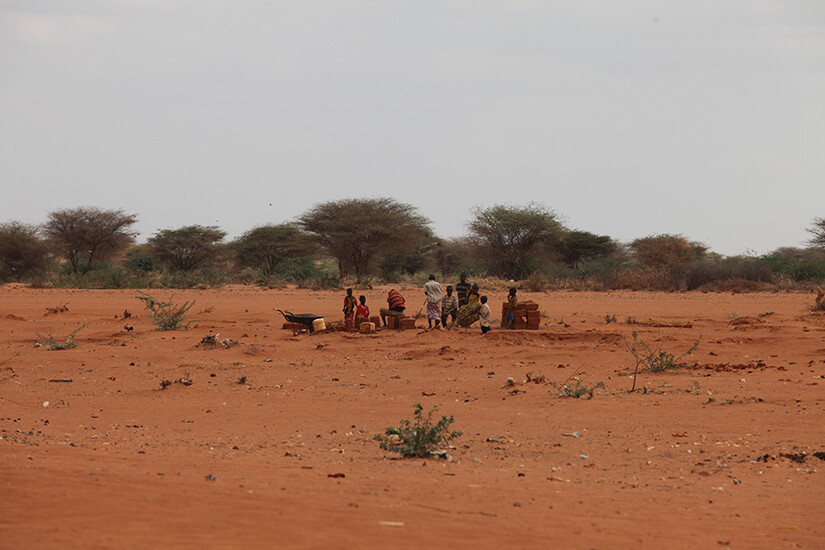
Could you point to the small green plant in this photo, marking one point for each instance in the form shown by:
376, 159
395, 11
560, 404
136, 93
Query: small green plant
167, 315
631, 321
658, 360
419, 438
576, 391
67, 343
655, 359
242, 380
609, 319
165, 384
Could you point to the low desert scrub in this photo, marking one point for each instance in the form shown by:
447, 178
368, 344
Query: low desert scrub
185, 380
167, 315
67, 343
535, 379
419, 438
576, 391
59, 308
655, 359
536, 282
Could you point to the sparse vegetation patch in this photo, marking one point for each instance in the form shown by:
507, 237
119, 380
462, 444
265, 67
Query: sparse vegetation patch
419, 438
655, 359
167, 315
53, 344
577, 391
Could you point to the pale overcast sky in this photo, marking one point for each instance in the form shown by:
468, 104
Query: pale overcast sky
699, 117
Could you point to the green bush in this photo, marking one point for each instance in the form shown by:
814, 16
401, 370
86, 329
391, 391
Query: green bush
307, 273
420, 438
167, 315
141, 264
200, 278
657, 359
797, 269
576, 391
101, 276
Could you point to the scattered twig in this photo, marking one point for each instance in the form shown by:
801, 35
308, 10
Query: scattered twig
9, 359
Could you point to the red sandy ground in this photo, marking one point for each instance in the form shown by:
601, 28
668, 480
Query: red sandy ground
113, 461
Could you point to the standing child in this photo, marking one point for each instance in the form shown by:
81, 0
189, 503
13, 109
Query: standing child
449, 307
461, 288
484, 316
349, 305
512, 305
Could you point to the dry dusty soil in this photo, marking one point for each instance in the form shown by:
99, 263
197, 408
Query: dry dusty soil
721, 454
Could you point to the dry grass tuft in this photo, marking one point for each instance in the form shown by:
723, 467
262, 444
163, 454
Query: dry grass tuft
819, 304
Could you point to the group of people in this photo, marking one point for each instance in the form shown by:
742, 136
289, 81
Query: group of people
464, 307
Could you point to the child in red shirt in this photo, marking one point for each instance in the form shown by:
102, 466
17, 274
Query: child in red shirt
362, 310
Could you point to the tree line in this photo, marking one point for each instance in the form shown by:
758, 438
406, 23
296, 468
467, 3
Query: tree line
365, 239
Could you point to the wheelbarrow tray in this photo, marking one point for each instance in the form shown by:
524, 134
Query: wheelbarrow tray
304, 319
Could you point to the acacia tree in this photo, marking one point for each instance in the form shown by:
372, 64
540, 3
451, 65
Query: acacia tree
577, 246
187, 247
354, 231
817, 229
264, 248
510, 237
23, 253
88, 234
667, 250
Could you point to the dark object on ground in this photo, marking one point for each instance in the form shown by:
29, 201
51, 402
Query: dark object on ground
303, 321
61, 380
60, 308
795, 457
211, 339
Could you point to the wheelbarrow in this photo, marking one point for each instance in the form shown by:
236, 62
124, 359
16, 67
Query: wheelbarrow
302, 322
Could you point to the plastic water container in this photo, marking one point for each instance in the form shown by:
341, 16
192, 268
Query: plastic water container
319, 325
